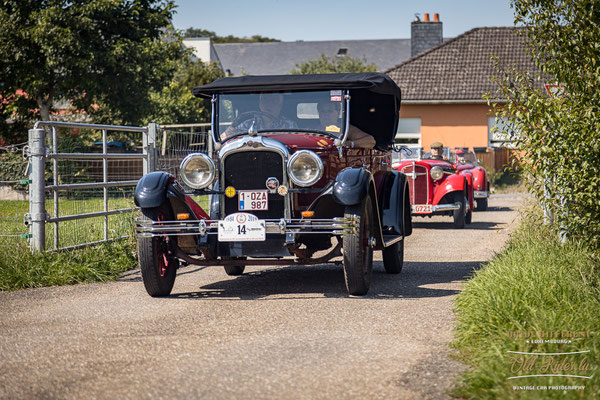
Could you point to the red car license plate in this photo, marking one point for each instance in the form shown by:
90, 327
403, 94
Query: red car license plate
423, 209
249, 200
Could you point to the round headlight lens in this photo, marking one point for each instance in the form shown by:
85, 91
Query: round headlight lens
436, 173
197, 171
305, 168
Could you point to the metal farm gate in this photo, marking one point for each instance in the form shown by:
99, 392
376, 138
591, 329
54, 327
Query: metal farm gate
86, 194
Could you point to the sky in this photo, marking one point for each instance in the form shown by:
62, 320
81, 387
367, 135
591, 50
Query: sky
291, 20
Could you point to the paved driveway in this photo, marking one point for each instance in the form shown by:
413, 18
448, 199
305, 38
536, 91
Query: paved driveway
277, 333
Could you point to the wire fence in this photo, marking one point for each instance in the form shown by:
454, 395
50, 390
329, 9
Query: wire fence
14, 199
75, 212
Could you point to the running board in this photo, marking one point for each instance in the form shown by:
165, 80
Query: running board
389, 240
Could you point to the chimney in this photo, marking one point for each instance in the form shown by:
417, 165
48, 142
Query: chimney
425, 34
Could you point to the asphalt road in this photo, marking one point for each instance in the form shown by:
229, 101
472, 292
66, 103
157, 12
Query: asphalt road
275, 332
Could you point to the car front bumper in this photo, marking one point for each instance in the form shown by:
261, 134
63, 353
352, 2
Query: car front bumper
333, 226
436, 208
481, 194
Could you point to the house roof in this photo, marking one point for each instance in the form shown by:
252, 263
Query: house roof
462, 68
278, 58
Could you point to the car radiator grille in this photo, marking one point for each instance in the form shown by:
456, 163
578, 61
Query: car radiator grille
249, 171
419, 186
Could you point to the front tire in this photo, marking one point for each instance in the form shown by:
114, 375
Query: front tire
459, 215
158, 266
393, 258
358, 253
482, 204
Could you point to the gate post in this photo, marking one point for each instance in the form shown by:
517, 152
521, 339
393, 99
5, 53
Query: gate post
37, 190
150, 148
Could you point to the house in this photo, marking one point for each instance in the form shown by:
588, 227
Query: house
443, 88
279, 58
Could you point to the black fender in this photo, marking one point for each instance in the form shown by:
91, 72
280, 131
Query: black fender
393, 209
351, 186
151, 189
156, 188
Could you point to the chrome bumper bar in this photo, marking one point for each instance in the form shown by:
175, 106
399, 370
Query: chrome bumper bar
481, 194
440, 207
334, 226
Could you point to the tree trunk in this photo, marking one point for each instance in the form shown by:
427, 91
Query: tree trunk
44, 104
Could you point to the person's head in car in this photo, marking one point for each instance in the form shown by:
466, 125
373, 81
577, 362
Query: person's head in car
460, 156
328, 115
270, 103
436, 151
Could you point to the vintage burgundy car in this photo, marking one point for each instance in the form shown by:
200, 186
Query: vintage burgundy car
466, 161
286, 185
437, 187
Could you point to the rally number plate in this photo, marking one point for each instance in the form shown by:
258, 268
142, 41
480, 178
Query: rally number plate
423, 209
253, 200
241, 227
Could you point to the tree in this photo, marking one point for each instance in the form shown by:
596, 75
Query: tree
104, 56
175, 104
195, 32
330, 65
560, 137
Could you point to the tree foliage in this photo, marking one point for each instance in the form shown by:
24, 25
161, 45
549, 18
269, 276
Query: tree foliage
175, 104
103, 56
560, 137
331, 65
195, 32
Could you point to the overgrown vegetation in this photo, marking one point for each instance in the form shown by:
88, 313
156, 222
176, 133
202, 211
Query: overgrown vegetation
332, 65
19, 269
537, 289
560, 136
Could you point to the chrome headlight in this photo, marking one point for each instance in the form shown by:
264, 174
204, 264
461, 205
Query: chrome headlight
305, 168
436, 173
197, 170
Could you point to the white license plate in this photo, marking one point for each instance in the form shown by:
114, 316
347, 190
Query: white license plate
253, 200
241, 227
423, 209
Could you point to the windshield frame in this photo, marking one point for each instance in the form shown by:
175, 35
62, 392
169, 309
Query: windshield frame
338, 137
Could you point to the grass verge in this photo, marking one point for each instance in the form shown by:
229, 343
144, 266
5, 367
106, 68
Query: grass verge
19, 269
538, 296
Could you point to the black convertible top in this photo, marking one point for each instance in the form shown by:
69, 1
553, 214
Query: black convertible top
374, 105
372, 81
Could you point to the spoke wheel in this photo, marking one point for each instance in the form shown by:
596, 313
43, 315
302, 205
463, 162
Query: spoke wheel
358, 252
158, 267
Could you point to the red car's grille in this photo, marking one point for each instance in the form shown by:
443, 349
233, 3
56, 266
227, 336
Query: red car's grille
418, 181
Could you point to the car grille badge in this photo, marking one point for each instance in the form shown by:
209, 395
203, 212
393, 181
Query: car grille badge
272, 183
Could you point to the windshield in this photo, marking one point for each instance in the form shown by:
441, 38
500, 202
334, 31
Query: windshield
415, 153
318, 112
467, 157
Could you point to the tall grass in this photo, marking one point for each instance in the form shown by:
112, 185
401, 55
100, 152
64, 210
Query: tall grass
537, 290
19, 269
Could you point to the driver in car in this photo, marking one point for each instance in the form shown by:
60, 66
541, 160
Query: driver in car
269, 117
436, 151
328, 119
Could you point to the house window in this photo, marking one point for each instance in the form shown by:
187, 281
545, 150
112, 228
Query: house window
497, 132
409, 131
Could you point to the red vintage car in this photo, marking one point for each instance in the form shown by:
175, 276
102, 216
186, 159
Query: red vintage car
301, 175
436, 186
466, 161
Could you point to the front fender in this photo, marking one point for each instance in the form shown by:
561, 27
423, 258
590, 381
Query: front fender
452, 183
396, 209
351, 186
151, 189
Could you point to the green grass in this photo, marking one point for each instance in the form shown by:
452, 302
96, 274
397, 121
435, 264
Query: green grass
536, 286
19, 269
